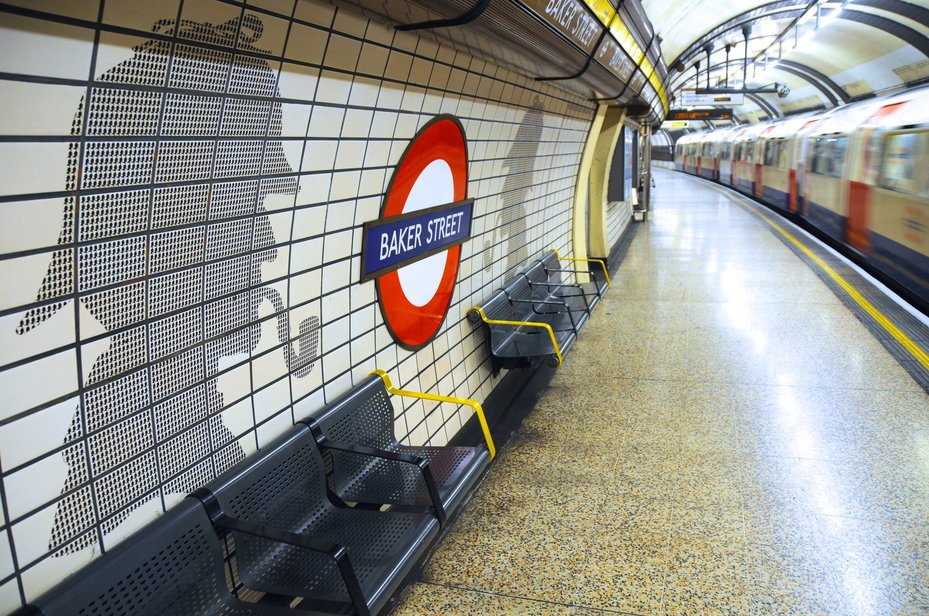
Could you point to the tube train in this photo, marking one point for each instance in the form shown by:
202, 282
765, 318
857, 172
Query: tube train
859, 174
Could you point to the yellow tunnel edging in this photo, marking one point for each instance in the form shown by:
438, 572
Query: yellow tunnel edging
880, 318
478, 409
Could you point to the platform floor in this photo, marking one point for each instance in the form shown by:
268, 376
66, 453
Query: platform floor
725, 437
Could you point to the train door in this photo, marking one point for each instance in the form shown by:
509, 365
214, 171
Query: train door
802, 175
757, 177
864, 154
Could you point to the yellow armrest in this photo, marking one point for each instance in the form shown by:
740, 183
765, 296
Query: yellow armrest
600, 261
551, 332
478, 410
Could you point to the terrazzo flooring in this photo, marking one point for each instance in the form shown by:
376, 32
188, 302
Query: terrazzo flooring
724, 438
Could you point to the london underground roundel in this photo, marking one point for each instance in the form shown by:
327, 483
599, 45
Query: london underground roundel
414, 248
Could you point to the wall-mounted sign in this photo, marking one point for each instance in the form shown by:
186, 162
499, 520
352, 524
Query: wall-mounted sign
689, 97
571, 18
414, 248
393, 242
700, 114
612, 56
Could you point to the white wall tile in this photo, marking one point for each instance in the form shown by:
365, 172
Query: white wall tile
38, 108
37, 47
275, 427
297, 81
28, 168
334, 87
36, 434
9, 597
306, 44
32, 384
272, 400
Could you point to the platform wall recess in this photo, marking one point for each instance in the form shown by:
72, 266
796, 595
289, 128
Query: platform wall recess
182, 191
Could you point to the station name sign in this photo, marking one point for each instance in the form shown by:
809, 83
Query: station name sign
390, 243
614, 58
571, 18
700, 114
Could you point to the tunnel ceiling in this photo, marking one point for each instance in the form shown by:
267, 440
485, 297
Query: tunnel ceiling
826, 52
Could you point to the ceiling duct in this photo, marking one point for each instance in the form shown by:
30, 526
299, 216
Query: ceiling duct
601, 50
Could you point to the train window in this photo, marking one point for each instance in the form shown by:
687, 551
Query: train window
898, 167
725, 151
828, 156
708, 149
738, 151
774, 153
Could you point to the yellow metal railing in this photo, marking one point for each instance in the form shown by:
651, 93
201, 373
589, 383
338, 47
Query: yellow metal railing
478, 410
600, 261
546, 326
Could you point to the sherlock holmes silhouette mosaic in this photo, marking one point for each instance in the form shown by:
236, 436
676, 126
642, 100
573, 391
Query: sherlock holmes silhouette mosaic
163, 243
520, 178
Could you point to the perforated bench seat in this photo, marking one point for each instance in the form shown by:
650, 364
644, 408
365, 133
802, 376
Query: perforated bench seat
283, 487
173, 567
514, 332
538, 314
593, 290
354, 428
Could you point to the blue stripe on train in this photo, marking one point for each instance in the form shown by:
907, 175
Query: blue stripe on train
707, 173
909, 267
692, 169
775, 197
827, 221
746, 185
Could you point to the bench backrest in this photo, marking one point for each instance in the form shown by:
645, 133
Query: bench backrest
519, 289
537, 275
552, 265
501, 309
284, 482
172, 567
283, 486
363, 416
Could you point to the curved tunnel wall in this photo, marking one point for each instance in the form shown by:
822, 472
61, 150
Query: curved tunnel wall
184, 187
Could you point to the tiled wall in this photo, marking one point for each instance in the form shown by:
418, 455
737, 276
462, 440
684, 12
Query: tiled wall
183, 188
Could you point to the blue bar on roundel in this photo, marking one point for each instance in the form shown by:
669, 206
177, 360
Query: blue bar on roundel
390, 243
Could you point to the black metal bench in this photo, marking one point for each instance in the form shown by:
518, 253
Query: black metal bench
537, 314
554, 280
371, 468
173, 567
353, 559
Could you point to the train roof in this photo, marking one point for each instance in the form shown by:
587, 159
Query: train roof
908, 109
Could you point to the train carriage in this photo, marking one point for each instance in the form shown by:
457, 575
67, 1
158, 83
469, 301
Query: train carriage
889, 191
824, 186
685, 158
746, 158
778, 171
724, 147
859, 174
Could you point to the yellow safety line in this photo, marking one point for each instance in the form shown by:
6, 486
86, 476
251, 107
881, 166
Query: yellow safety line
600, 261
478, 410
905, 341
551, 332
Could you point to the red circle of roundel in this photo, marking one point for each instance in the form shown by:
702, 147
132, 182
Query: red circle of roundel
442, 138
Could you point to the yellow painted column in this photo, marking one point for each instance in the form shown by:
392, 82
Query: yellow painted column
579, 231
599, 243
